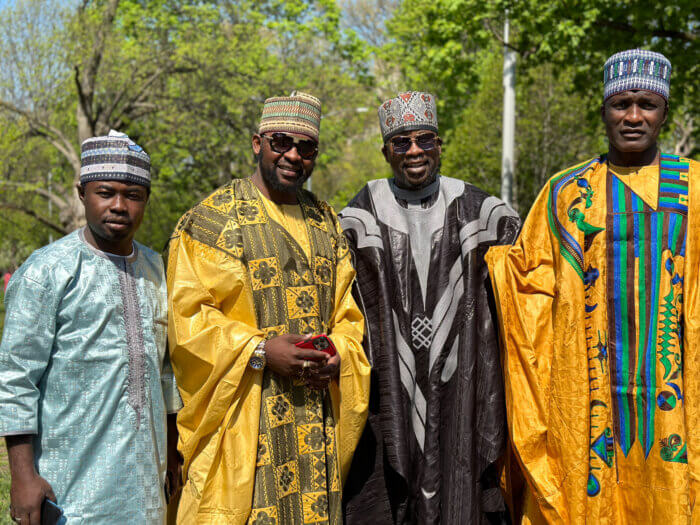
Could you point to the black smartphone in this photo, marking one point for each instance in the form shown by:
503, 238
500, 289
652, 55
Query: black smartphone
51, 514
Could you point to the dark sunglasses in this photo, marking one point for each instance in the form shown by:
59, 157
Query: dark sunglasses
426, 142
282, 143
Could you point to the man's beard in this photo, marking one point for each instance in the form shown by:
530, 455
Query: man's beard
434, 174
270, 178
431, 178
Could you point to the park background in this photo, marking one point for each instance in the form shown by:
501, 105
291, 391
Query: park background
187, 79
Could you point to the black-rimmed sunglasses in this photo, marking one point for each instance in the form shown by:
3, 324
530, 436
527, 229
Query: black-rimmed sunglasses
282, 143
426, 142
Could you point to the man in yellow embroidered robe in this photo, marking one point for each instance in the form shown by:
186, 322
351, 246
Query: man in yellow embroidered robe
598, 301
252, 268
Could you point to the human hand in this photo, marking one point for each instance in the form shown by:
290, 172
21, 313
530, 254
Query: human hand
288, 360
319, 378
27, 493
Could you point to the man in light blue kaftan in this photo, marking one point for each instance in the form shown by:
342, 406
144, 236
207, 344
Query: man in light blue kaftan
84, 369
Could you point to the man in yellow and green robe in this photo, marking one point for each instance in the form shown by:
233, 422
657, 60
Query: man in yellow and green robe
599, 304
268, 429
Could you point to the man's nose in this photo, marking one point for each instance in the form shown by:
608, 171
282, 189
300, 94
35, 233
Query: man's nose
414, 149
634, 114
293, 155
118, 203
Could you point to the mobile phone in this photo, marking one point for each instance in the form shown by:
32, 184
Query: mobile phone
319, 342
51, 514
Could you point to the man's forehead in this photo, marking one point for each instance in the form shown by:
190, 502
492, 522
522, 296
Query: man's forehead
637, 94
114, 185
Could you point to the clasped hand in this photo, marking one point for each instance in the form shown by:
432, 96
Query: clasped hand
316, 368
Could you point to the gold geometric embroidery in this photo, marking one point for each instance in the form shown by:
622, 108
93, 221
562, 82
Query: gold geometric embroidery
683, 199
231, 239
318, 472
250, 212
279, 411
266, 516
315, 506
683, 175
310, 438
302, 301
274, 331
263, 451
333, 473
264, 273
287, 479
314, 406
342, 247
330, 440
314, 218
323, 270
301, 280
309, 325
221, 200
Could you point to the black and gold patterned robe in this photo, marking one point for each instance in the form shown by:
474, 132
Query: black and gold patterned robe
260, 448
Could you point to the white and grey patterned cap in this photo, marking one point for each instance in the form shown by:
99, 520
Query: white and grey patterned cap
637, 69
407, 112
114, 157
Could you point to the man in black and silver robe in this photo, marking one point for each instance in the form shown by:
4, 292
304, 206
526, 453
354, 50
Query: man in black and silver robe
436, 430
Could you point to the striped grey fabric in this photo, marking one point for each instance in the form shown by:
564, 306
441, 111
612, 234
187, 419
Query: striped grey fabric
114, 157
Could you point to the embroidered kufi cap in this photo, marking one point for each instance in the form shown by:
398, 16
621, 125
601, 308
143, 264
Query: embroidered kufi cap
297, 113
407, 112
637, 69
114, 157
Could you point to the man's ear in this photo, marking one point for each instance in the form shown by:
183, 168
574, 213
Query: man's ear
256, 142
602, 112
665, 113
385, 152
81, 192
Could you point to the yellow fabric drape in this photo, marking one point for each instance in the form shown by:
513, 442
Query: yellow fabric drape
557, 377
212, 334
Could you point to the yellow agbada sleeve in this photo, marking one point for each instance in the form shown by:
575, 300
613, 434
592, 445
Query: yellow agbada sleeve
212, 334
523, 278
691, 338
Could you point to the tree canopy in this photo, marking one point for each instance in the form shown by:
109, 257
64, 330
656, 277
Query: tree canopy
186, 80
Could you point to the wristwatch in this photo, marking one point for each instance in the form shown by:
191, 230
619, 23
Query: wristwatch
257, 360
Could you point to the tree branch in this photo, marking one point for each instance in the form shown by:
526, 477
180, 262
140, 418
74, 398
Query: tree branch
53, 135
522, 52
43, 192
98, 46
134, 116
128, 110
84, 99
36, 216
660, 33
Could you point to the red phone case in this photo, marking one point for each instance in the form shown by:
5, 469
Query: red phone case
319, 342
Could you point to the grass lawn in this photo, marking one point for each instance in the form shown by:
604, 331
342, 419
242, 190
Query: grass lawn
4, 487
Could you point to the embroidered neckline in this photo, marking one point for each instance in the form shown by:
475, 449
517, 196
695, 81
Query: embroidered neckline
415, 195
106, 255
